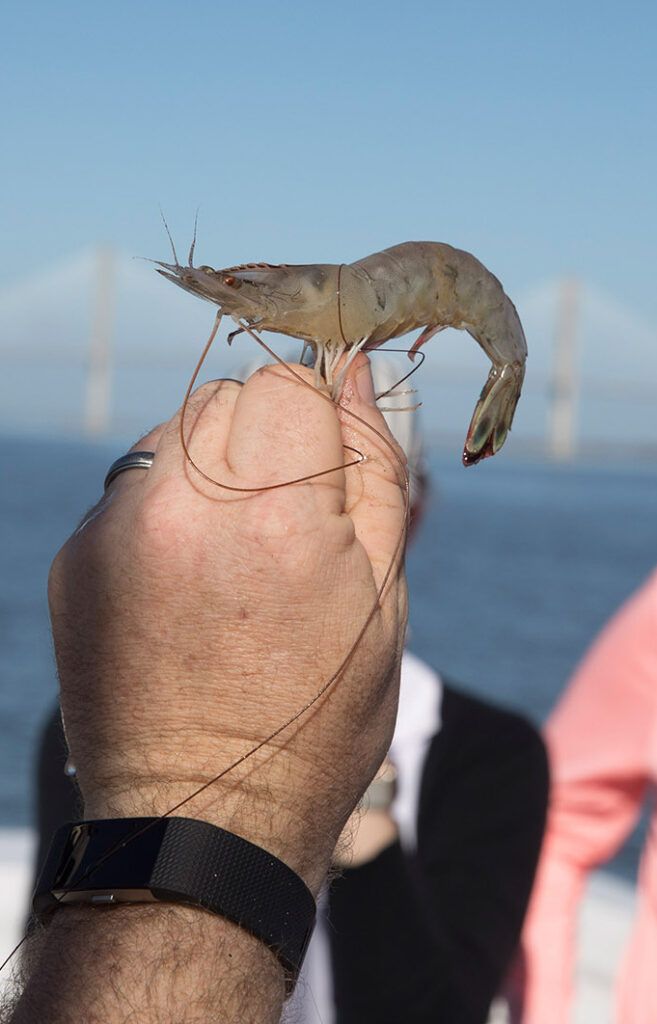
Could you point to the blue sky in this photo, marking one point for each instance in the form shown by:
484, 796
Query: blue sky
524, 132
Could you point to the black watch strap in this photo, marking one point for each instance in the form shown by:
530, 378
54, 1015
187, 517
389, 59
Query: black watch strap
180, 860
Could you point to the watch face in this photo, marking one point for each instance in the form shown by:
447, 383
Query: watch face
72, 857
96, 861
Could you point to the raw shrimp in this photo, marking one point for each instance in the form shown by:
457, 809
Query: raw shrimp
343, 308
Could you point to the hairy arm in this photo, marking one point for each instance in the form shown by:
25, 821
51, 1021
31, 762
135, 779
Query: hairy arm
189, 624
150, 964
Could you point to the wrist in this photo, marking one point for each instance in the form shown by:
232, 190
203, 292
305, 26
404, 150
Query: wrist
241, 810
180, 861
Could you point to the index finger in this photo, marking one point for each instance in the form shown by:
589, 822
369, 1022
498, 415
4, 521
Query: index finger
283, 431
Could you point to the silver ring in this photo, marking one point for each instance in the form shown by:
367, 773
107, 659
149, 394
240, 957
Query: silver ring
133, 460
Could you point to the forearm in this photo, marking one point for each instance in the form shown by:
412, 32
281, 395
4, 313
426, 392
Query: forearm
165, 961
151, 964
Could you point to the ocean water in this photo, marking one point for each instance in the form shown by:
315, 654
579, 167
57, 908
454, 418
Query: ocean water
515, 568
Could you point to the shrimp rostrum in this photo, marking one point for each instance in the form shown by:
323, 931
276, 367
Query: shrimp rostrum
339, 309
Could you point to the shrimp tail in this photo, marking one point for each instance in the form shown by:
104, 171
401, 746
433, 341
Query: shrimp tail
493, 414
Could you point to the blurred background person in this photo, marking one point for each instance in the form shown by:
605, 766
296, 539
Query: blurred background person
602, 741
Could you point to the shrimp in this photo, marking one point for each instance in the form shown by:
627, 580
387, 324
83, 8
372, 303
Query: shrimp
339, 309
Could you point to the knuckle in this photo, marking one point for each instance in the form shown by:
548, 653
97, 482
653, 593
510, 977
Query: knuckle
275, 374
212, 389
208, 399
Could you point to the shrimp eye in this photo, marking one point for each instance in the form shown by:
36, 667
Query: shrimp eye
232, 281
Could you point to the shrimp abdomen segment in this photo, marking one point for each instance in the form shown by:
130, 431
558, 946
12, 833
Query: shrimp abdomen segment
433, 285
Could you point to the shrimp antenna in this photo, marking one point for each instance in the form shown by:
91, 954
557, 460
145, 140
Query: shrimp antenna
190, 258
166, 228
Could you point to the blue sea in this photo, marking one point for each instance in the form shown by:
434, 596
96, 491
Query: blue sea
516, 567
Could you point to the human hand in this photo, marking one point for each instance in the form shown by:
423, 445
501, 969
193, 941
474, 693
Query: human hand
371, 827
190, 622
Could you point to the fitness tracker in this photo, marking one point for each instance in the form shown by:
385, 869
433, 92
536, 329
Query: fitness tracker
180, 860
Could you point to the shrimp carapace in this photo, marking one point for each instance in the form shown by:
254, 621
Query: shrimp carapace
339, 309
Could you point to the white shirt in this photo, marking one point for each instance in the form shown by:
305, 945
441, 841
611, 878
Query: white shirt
418, 721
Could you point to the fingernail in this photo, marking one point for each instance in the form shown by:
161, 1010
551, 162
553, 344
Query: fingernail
365, 385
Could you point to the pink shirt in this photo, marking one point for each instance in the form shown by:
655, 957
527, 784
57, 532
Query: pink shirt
602, 741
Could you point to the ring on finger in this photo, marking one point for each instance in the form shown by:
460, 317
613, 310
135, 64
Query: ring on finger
132, 460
